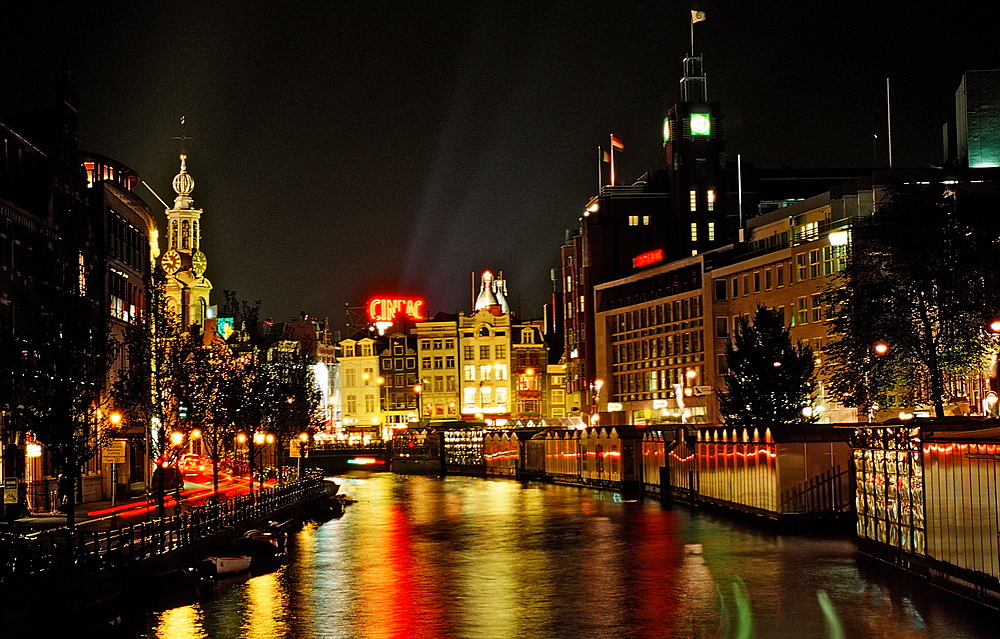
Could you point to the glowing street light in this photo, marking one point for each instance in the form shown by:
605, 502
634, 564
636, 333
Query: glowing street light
880, 348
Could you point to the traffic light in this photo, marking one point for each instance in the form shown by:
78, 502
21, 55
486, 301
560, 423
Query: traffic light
183, 412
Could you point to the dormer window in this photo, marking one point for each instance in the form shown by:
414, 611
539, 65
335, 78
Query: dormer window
484, 331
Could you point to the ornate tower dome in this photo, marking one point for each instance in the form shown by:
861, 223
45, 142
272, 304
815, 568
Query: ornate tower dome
183, 185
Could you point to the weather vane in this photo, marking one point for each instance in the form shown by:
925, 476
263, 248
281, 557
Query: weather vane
181, 137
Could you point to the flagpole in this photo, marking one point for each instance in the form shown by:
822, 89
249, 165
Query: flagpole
600, 168
692, 36
612, 160
888, 119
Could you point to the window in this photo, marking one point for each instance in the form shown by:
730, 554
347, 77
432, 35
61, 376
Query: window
350, 377
746, 285
425, 362
485, 372
468, 352
501, 371
449, 361
501, 351
397, 349
756, 282
438, 362
814, 265
352, 403
781, 314
736, 287
817, 307
367, 350
645, 220
694, 200
438, 383
399, 363
720, 289
502, 397
411, 362
438, 344
470, 373
779, 274
767, 279
834, 259
469, 399
449, 383
582, 298
449, 343
558, 396
633, 220
802, 310
802, 267
388, 363
484, 351
711, 231
711, 200
722, 327
348, 350
369, 403
694, 231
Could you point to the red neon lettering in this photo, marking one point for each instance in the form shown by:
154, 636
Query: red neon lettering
648, 258
385, 309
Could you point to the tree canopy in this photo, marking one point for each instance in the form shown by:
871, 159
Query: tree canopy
921, 279
770, 380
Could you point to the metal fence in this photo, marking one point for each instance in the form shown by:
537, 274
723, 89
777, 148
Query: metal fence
53, 551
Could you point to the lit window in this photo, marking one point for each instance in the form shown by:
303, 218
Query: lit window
694, 231
633, 220
711, 200
694, 200
711, 231
645, 220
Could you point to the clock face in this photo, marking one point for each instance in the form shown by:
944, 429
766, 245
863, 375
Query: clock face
199, 263
701, 124
171, 261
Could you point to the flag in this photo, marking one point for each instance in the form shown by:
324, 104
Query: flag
607, 156
697, 16
617, 144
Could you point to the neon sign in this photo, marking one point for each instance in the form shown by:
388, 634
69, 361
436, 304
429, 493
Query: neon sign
385, 309
648, 258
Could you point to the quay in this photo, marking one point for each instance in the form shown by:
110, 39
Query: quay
79, 571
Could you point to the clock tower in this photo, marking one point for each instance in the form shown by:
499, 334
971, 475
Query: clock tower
183, 262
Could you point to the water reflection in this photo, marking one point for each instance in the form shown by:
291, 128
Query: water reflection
420, 557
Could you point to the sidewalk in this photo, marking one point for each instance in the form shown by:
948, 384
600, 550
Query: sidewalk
90, 516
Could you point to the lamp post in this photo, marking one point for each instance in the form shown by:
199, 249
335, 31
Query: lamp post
303, 442
880, 349
176, 441
595, 392
417, 389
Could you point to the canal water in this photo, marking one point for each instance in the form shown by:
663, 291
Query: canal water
421, 557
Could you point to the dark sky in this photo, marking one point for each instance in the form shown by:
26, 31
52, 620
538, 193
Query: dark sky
342, 149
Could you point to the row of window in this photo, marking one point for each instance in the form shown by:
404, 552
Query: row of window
657, 347
487, 372
399, 363
657, 315
437, 362
809, 309
499, 351
819, 262
437, 344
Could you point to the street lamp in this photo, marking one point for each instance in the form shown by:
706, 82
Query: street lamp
595, 391
303, 441
417, 389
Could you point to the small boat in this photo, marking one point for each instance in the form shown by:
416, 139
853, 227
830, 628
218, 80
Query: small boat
264, 543
229, 565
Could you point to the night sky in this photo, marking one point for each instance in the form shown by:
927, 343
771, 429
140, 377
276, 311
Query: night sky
342, 149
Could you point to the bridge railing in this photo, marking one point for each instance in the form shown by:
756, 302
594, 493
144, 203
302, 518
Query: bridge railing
54, 551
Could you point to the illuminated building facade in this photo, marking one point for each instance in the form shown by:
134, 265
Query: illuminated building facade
399, 391
184, 262
690, 207
485, 358
361, 417
529, 355
977, 119
438, 354
70, 225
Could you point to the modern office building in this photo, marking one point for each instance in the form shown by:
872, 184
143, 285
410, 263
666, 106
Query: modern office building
977, 119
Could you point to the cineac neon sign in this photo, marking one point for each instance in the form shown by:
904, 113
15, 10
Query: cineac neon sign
647, 258
383, 309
